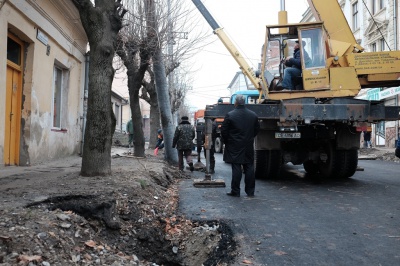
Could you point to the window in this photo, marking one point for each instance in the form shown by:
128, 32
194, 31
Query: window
59, 91
381, 4
355, 16
377, 5
313, 45
373, 47
117, 113
13, 51
373, 6
380, 129
383, 44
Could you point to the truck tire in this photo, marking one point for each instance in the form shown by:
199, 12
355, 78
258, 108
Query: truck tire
267, 164
349, 163
218, 145
339, 164
310, 167
330, 168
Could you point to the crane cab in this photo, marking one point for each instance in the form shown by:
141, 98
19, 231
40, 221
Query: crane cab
313, 52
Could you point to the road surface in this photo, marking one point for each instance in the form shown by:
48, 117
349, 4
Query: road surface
301, 221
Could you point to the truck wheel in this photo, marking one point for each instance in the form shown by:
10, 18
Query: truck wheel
350, 162
267, 164
310, 167
259, 164
331, 167
218, 145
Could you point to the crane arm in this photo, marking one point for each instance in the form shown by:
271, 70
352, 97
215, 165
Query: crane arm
341, 37
244, 66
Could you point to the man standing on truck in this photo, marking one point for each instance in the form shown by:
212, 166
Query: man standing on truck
238, 130
293, 67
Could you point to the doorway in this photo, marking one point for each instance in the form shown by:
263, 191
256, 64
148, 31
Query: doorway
13, 100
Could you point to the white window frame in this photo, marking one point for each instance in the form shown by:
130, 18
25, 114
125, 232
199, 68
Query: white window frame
117, 112
373, 7
381, 4
373, 47
355, 15
383, 44
61, 115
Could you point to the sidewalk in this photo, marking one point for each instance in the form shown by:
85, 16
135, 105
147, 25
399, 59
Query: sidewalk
69, 161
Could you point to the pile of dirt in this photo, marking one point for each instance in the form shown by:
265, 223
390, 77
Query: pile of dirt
379, 154
52, 216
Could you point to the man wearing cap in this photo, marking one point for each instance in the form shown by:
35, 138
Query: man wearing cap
183, 141
293, 66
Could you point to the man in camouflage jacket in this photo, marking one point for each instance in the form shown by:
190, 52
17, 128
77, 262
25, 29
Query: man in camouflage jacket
183, 141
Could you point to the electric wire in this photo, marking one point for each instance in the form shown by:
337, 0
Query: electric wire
376, 24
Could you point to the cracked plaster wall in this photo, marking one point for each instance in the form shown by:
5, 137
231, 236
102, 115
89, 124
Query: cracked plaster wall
40, 141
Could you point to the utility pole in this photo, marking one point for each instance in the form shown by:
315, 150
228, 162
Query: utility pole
172, 88
170, 47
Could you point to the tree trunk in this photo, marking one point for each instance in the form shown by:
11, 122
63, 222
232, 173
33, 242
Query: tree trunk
171, 155
154, 125
149, 94
102, 24
134, 84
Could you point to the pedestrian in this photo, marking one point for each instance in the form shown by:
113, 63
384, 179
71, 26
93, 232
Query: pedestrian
129, 131
160, 142
183, 141
212, 150
238, 130
367, 139
397, 150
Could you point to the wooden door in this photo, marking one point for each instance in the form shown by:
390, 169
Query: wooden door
13, 101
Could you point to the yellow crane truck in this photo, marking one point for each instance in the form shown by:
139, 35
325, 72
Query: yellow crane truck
318, 125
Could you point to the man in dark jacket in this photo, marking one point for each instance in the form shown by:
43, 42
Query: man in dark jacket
293, 67
129, 130
238, 130
183, 141
397, 150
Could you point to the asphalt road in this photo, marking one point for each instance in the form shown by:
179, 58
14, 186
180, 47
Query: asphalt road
301, 221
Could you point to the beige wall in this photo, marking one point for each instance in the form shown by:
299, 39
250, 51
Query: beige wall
59, 21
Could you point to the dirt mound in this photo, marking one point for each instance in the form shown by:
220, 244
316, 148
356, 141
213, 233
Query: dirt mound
57, 217
379, 154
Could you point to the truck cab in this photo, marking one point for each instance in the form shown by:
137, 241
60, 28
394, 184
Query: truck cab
250, 96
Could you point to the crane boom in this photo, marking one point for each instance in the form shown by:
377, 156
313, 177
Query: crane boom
243, 65
336, 27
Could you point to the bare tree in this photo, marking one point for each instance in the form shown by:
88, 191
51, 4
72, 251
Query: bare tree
102, 21
149, 94
138, 42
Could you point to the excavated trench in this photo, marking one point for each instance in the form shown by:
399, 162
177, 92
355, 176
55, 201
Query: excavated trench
202, 242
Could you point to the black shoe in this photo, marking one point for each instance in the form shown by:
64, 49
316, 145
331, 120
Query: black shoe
250, 196
232, 194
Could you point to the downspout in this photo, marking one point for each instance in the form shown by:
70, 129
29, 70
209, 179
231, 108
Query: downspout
85, 97
395, 41
395, 33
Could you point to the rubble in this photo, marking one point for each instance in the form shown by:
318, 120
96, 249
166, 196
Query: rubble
129, 218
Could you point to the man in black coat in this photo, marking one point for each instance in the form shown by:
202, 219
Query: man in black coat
238, 130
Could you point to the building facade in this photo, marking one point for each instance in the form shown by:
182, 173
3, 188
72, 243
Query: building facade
42, 80
375, 27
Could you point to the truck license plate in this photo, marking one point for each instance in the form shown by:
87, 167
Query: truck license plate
287, 135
